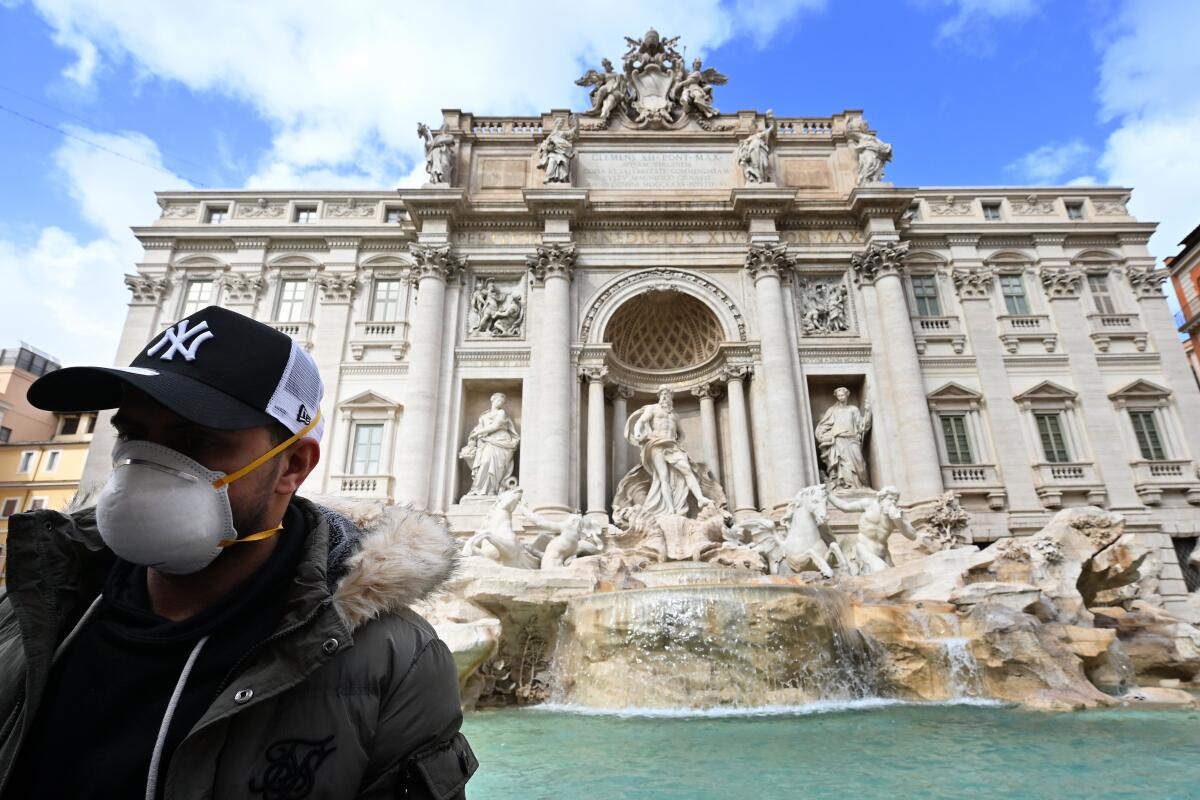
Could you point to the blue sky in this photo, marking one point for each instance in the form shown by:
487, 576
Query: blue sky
149, 96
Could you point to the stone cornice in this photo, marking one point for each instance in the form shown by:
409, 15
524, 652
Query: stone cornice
557, 202
761, 201
877, 260
423, 204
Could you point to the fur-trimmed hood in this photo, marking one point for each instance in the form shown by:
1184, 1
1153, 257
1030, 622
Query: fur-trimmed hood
383, 558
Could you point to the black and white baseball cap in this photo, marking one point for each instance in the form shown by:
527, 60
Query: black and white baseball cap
216, 368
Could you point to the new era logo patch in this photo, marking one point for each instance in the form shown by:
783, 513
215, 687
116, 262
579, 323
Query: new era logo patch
302, 416
178, 338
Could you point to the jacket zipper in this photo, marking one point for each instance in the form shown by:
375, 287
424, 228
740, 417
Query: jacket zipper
228, 679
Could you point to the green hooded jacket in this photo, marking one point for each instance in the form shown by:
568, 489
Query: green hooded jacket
353, 696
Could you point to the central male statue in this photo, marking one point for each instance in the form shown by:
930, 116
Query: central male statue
655, 429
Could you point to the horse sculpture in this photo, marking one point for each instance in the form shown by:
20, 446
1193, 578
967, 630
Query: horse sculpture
496, 539
808, 544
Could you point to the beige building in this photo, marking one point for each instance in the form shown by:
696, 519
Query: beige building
1185, 278
19, 421
1012, 344
43, 473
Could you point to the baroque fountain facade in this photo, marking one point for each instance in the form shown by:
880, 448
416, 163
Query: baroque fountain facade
722, 418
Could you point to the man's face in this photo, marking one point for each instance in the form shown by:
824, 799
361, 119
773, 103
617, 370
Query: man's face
141, 417
664, 400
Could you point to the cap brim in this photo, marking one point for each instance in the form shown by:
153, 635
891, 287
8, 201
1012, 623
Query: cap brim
97, 388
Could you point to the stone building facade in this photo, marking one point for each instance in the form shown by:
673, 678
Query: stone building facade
1012, 344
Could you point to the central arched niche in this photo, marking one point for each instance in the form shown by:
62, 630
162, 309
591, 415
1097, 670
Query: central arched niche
663, 330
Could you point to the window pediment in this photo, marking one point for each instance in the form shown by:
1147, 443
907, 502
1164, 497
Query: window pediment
954, 395
1047, 394
369, 400
1141, 390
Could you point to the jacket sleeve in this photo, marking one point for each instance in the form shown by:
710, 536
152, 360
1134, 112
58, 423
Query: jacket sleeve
422, 754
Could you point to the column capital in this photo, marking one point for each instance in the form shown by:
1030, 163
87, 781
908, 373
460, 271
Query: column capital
768, 259
434, 261
593, 374
147, 290
1146, 282
878, 260
616, 390
1062, 283
552, 261
711, 390
973, 284
337, 288
736, 372
241, 288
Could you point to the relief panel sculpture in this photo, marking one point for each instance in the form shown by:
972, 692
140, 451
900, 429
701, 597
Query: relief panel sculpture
497, 309
824, 305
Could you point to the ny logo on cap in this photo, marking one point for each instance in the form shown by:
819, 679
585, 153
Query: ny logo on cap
178, 337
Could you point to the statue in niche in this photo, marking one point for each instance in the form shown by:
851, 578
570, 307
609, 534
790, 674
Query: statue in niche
824, 305
490, 449
873, 153
673, 477
557, 149
840, 438
440, 151
610, 91
754, 153
881, 517
693, 90
498, 313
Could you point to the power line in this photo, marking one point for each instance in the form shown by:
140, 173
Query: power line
95, 125
89, 143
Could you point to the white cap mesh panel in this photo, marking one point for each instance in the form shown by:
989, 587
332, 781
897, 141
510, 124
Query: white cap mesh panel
298, 396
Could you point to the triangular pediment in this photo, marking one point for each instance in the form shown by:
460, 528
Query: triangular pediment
1141, 390
955, 391
1047, 390
369, 399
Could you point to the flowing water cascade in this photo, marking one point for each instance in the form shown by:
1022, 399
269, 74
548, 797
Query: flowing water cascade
963, 676
701, 641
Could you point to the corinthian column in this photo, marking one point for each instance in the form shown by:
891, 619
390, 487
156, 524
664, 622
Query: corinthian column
740, 457
620, 413
432, 267
708, 425
881, 264
553, 266
765, 263
596, 442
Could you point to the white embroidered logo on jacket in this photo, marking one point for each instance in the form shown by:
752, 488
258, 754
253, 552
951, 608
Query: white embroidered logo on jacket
178, 337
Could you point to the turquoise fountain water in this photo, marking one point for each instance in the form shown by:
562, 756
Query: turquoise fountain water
859, 751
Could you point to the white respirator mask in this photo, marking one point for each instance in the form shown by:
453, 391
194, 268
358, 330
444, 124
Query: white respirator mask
164, 510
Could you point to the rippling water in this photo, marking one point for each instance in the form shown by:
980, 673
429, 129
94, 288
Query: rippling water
857, 751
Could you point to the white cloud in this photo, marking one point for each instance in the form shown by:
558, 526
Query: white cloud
65, 295
971, 24
344, 89
1050, 162
1148, 76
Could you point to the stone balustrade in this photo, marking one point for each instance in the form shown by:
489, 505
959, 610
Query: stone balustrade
947, 330
301, 331
1109, 327
1018, 328
1053, 480
506, 126
1152, 478
367, 334
365, 485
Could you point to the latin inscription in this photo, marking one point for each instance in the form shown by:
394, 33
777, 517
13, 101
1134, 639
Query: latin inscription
502, 173
674, 170
484, 238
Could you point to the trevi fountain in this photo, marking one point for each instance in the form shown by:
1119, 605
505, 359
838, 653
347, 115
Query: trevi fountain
771, 478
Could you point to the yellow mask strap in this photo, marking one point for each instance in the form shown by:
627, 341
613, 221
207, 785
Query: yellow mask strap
265, 457
254, 537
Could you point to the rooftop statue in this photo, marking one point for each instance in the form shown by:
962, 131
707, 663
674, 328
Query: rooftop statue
873, 153
754, 153
558, 149
440, 152
654, 87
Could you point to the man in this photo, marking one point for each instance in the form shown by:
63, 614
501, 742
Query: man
655, 429
202, 632
881, 517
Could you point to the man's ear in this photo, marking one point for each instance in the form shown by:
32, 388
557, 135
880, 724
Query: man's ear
298, 461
